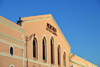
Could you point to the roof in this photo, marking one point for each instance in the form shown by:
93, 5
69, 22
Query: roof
4, 19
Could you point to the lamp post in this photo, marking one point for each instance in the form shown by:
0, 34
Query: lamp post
28, 39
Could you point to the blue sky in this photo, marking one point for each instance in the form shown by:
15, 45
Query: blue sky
79, 21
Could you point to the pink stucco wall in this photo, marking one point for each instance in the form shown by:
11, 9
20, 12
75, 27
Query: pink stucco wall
39, 28
7, 61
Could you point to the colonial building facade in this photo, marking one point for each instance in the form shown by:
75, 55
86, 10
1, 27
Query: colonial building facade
36, 41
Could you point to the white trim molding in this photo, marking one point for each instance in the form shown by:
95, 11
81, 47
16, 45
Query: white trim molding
9, 55
11, 25
25, 59
72, 66
83, 60
10, 43
77, 62
36, 19
11, 38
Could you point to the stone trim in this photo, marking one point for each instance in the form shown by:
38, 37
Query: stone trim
11, 38
11, 25
77, 62
36, 19
10, 43
8, 55
83, 59
21, 58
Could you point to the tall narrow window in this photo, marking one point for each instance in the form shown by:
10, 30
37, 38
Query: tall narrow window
64, 59
34, 47
52, 50
58, 55
11, 50
44, 49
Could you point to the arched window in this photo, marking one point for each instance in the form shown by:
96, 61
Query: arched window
11, 65
34, 48
58, 55
52, 50
44, 49
64, 59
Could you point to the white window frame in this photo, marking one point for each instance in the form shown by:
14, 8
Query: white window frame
11, 65
45, 48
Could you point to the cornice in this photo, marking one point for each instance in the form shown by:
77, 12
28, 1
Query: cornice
83, 59
11, 38
36, 19
11, 25
10, 43
8, 55
77, 62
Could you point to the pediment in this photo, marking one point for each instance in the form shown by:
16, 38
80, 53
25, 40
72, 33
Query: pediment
51, 27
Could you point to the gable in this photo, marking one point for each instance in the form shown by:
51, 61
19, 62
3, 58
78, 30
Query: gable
50, 24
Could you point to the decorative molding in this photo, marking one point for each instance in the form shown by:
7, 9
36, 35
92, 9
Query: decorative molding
10, 43
77, 62
21, 58
72, 66
11, 38
36, 19
83, 59
37, 62
8, 55
58, 45
11, 25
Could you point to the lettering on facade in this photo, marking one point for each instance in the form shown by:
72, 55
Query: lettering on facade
51, 29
